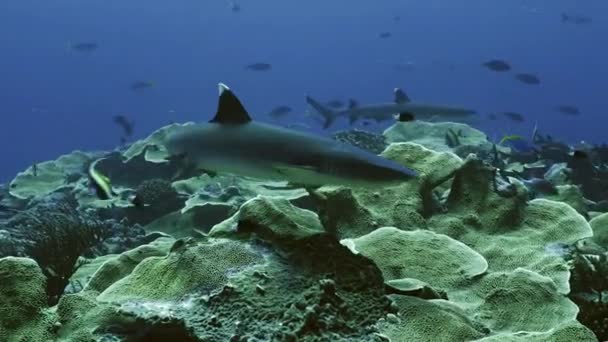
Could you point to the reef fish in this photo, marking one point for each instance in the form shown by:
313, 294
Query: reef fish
576, 19
279, 111
497, 65
513, 116
569, 110
233, 143
100, 183
83, 47
259, 66
528, 79
141, 85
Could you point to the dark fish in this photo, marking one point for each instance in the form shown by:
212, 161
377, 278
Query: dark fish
492, 116
452, 138
528, 79
570, 110
234, 7
497, 65
397, 18
337, 104
259, 66
514, 116
125, 124
576, 19
141, 85
385, 35
279, 111
83, 47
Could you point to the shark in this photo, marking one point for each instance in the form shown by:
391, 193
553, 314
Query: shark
231, 142
401, 109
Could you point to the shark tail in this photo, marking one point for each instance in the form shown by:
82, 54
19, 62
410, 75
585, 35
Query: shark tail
328, 114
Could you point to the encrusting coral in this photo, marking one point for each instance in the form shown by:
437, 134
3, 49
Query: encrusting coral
458, 253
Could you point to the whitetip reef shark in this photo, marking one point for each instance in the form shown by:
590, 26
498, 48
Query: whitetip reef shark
233, 143
401, 109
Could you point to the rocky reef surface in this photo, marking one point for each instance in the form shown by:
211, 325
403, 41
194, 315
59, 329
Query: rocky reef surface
460, 253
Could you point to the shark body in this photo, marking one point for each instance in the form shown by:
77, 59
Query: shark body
402, 108
233, 143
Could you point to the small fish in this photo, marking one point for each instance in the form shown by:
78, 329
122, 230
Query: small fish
279, 111
514, 116
100, 183
35, 170
397, 18
497, 65
492, 116
83, 47
234, 7
511, 137
385, 35
125, 124
259, 67
576, 19
141, 85
569, 110
528, 79
337, 104
452, 138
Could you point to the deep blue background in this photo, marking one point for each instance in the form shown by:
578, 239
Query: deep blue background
54, 100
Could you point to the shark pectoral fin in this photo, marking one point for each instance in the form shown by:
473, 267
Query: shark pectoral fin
288, 169
230, 111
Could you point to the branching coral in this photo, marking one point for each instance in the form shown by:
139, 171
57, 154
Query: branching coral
56, 234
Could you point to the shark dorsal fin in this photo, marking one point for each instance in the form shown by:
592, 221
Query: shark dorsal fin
352, 103
400, 96
230, 111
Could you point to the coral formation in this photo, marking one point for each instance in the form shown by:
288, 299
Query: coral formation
463, 252
362, 139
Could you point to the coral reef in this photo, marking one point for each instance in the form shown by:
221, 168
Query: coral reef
464, 252
362, 139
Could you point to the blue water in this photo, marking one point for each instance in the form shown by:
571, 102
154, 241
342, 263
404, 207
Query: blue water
54, 100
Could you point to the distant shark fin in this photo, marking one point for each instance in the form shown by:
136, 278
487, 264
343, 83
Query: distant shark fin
230, 111
352, 103
328, 114
400, 96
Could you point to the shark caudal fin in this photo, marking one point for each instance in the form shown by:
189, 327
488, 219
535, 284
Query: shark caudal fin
328, 114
